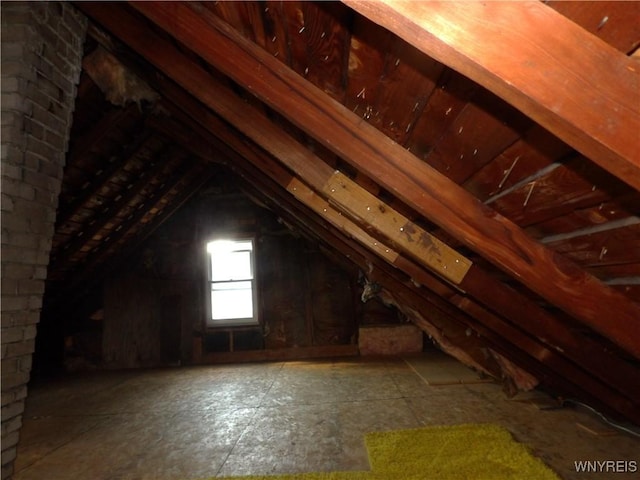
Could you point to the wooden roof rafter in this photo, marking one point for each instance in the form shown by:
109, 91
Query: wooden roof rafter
431, 194
594, 368
253, 124
491, 326
537, 73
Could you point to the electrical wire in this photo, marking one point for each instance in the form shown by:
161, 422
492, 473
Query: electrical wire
604, 418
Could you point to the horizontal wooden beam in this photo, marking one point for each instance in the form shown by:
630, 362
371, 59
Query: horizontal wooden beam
572, 83
433, 195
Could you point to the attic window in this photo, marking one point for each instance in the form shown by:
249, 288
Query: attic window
232, 283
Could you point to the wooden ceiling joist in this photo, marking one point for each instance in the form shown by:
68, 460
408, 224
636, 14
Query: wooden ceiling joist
552, 70
431, 194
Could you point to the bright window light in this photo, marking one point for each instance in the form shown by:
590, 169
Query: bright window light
231, 278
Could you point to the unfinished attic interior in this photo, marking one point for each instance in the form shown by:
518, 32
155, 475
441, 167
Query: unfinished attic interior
391, 180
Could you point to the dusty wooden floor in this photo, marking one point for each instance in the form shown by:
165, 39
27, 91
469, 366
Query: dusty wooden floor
189, 423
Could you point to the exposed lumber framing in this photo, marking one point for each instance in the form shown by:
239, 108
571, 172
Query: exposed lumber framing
66, 251
505, 338
536, 73
267, 134
102, 129
62, 296
100, 180
608, 312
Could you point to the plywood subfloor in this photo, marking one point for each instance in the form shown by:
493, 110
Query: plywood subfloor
267, 418
437, 368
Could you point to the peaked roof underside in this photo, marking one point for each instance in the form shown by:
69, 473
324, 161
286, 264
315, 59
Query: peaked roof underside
480, 161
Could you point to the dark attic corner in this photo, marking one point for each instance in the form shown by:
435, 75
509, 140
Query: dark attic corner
239, 237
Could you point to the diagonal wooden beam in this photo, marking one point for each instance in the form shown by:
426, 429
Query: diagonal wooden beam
61, 259
75, 282
537, 357
569, 81
587, 354
494, 295
100, 179
433, 195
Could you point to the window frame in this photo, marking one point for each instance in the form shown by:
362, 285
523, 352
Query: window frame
252, 321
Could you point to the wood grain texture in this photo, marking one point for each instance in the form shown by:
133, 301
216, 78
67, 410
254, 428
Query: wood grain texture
610, 247
573, 289
484, 128
531, 153
532, 319
537, 73
603, 309
545, 362
591, 217
615, 22
575, 184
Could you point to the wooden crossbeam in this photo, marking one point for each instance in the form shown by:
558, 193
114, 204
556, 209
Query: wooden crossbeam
433, 195
253, 123
572, 83
528, 352
490, 292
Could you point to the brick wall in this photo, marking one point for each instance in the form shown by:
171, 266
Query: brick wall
41, 60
